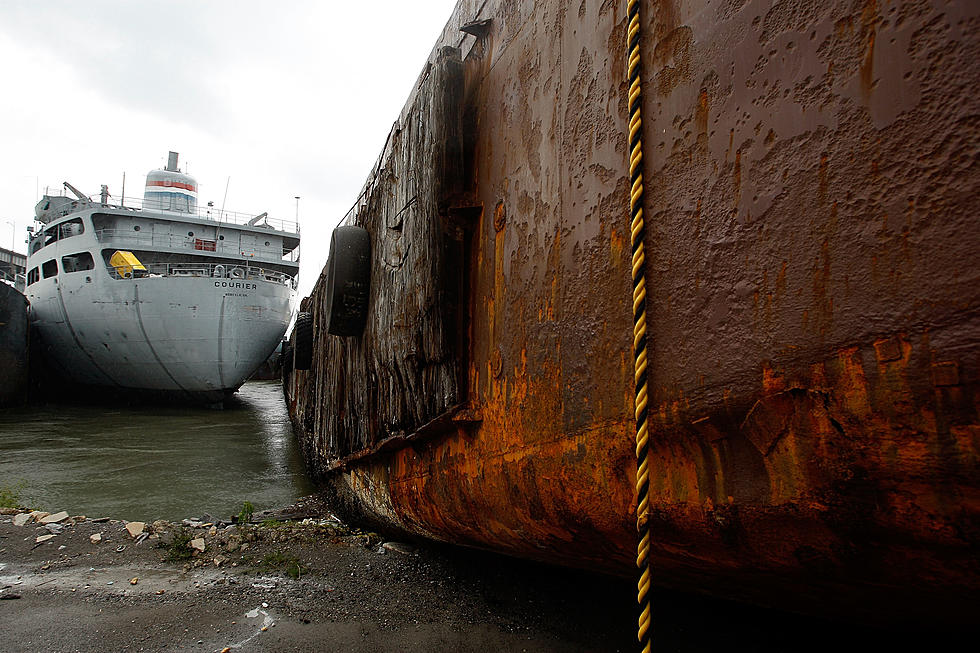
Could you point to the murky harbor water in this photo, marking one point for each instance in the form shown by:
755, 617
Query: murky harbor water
154, 462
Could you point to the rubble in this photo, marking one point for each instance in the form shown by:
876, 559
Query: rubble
438, 596
399, 547
135, 528
55, 518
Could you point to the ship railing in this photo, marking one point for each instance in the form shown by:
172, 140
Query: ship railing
235, 248
205, 270
259, 221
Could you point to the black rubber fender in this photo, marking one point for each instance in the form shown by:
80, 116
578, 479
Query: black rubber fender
303, 345
348, 281
286, 355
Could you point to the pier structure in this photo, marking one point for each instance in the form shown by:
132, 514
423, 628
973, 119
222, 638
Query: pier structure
12, 265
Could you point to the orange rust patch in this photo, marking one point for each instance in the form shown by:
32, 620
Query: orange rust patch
888, 349
946, 373
737, 178
772, 380
617, 246
869, 24
701, 118
510, 502
853, 384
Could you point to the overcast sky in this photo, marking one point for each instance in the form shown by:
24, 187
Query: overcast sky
273, 99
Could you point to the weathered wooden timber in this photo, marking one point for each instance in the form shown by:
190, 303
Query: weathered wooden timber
813, 293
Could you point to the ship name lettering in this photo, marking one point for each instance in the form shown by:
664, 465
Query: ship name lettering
235, 284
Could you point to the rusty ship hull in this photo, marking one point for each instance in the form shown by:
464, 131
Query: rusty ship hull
813, 317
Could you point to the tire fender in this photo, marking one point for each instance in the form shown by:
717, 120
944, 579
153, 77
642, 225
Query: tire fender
303, 345
348, 281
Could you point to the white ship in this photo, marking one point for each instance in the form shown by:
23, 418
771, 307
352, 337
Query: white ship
161, 298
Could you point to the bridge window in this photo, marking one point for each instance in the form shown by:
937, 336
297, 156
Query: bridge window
49, 268
70, 228
66, 229
77, 262
33, 276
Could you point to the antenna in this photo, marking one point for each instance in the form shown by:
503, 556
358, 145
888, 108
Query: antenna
225, 198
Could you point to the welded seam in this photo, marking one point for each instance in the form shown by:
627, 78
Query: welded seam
74, 336
146, 339
221, 346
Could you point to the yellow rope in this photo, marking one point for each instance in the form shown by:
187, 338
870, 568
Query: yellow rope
639, 323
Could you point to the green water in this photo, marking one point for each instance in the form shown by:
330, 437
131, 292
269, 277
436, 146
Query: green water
154, 462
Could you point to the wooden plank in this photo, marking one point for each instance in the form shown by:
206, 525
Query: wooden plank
404, 371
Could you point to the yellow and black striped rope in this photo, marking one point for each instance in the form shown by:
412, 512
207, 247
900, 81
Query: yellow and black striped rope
639, 322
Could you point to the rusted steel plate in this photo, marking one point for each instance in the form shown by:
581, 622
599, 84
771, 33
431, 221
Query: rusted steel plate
813, 294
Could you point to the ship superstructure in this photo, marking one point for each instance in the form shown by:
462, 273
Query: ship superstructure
161, 297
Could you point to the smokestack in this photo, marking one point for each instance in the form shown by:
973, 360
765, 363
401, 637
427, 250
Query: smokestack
172, 162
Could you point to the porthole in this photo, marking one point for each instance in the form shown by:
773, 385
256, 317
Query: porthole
136, 228
267, 243
221, 237
190, 233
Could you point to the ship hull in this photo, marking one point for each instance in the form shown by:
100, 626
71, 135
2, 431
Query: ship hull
196, 337
813, 305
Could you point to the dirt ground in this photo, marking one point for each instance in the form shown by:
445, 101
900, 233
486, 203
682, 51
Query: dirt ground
312, 584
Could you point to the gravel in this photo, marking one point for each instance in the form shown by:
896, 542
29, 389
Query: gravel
312, 584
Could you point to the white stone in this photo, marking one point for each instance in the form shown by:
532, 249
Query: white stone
197, 544
43, 538
399, 547
135, 528
95, 538
55, 518
22, 518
